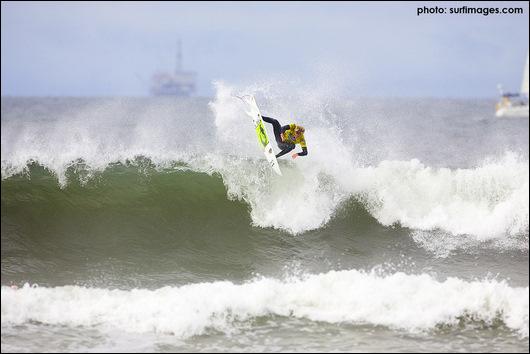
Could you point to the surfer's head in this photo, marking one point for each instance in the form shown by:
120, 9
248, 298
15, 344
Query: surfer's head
299, 130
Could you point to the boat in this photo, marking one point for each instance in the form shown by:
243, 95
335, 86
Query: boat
514, 105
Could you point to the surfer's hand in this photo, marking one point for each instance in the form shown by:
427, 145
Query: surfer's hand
295, 156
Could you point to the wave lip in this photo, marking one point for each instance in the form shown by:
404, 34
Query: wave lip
401, 301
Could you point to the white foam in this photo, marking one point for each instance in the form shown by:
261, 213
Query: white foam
399, 301
488, 201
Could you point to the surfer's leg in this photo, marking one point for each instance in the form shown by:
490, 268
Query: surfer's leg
285, 147
275, 126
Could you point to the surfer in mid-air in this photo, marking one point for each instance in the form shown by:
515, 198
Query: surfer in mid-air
287, 137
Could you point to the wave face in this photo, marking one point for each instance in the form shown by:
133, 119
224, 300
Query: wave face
486, 203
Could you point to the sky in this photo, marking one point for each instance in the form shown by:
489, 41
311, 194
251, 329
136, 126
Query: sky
377, 49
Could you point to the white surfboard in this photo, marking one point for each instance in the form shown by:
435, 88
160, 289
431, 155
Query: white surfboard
261, 132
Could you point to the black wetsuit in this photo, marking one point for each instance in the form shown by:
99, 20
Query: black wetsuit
278, 130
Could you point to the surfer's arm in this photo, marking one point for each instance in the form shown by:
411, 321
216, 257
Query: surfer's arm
304, 151
304, 147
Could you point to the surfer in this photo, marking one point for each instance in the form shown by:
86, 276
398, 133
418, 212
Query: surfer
287, 137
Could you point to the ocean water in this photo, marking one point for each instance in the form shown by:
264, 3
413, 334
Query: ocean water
155, 224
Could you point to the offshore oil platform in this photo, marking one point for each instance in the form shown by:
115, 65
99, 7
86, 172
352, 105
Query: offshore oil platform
180, 83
